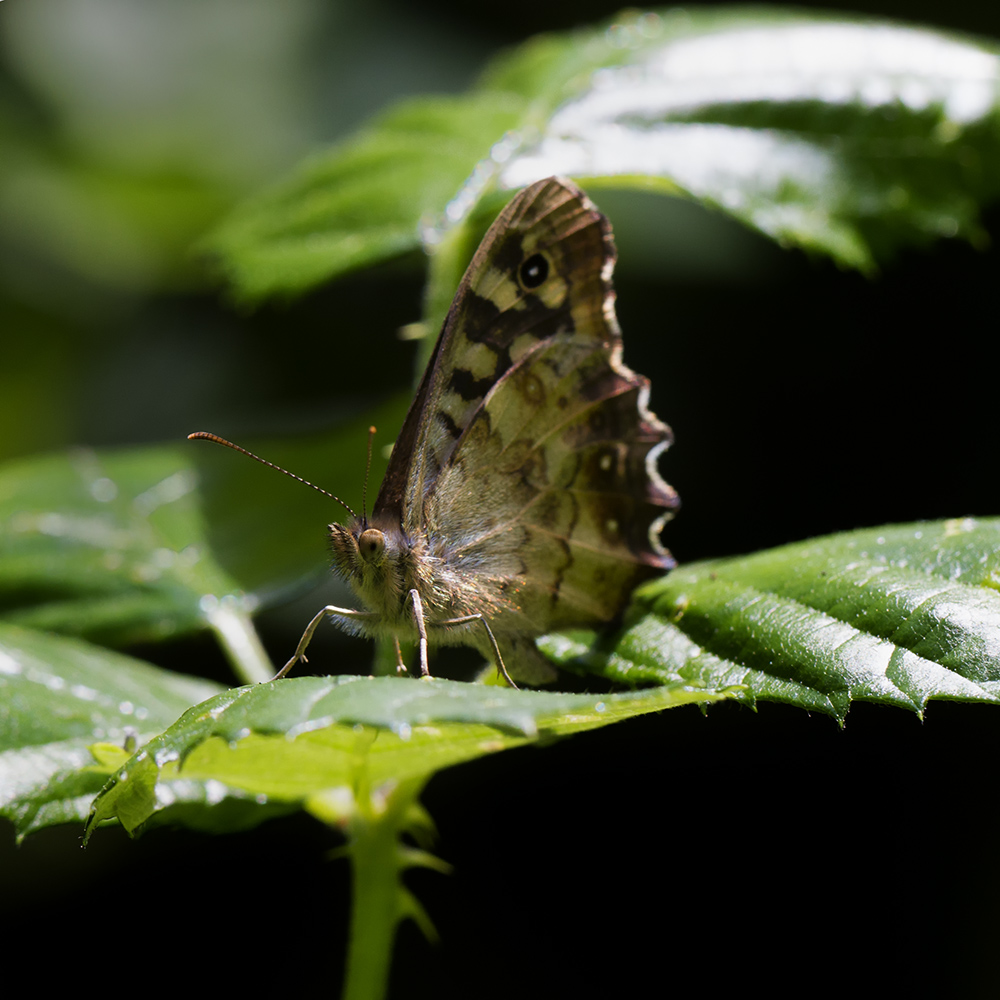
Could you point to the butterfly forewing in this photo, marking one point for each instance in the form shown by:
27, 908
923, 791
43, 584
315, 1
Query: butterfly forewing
496, 319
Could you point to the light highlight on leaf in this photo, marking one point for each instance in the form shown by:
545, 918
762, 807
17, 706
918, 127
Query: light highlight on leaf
899, 615
848, 138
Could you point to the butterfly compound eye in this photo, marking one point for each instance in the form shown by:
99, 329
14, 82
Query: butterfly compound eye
533, 271
371, 544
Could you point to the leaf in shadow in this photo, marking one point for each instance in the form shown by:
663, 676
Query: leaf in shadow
59, 697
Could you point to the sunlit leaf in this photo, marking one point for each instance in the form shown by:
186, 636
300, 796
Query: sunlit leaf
105, 545
898, 615
845, 137
292, 740
363, 202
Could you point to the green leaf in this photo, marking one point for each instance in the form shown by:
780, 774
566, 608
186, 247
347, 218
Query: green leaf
898, 615
123, 547
270, 533
364, 201
841, 136
66, 710
315, 741
355, 751
112, 547
845, 137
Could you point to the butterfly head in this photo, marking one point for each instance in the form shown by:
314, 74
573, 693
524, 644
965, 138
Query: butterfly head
370, 559
356, 546
371, 546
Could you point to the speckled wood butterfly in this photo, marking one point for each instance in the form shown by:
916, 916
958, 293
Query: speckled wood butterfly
522, 494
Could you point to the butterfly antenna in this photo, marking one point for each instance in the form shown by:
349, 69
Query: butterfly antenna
206, 436
368, 469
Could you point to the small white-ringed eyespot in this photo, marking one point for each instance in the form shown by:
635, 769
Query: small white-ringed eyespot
533, 271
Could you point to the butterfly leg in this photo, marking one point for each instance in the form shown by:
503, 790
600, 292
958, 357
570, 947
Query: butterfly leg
400, 665
465, 620
300, 649
418, 618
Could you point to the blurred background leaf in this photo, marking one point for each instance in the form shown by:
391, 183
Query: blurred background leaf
110, 547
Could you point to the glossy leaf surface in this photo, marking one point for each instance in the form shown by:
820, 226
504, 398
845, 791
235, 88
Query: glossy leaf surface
899, 615
848, 138
66, 711
323, 741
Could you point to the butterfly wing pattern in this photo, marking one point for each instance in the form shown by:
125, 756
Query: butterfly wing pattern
522, 495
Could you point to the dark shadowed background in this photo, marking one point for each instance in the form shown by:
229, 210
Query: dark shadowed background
720, 850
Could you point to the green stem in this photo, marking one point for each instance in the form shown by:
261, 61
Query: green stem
374, 855
243, 648
379, 900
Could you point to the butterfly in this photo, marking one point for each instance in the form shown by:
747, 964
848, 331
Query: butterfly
522, 494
